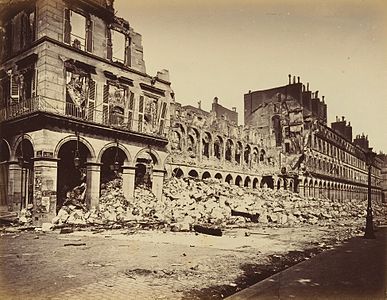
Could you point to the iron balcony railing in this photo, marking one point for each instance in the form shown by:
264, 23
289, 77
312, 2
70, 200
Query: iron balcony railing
71, 110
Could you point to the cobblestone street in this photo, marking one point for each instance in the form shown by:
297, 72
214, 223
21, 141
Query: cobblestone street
119, 264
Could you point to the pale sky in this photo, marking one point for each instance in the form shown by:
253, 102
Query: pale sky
225, 48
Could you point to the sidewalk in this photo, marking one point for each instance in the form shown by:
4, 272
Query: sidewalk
355, 270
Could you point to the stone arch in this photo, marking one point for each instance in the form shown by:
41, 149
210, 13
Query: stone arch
178, 173
247, 182
206, 144
255, 183
229, 179
206, 175
262, 155
311, 188
128, 159
175, 140
238, 152
152, 153
246, 154
229, 149
238, 180
218, 147
255, 155
193, 173
218, 176
74, 138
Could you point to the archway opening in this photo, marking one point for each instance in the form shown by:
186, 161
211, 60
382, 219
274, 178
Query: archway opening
178, 173
268, 182
193, 174
229, 179
206, 175
72, 172
247, 182
218, 176
144, 169
238, 180
255, 183
112, 160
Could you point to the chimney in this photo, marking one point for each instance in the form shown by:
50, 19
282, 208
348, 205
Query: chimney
294, 79
200, 104
342, 118
337, 119
233, 108
298, 79
303, 87
316, 94
290, 78
323, 99
307, 86
216, 100
249, 91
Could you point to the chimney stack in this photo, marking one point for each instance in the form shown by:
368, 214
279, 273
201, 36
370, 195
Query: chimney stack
342, 118
200, 104
298, 79
234, 108
290, 78
216, 100
316, 94
307, 86
294, 79
323, 99
303, 87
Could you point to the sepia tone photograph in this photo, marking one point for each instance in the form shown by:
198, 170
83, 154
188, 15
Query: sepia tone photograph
219, 149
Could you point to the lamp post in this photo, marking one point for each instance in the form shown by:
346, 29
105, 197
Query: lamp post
369, 230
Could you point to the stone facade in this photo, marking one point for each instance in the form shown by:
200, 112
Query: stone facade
285, 143
74, 87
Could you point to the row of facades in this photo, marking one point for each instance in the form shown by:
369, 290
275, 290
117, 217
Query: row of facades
76, 99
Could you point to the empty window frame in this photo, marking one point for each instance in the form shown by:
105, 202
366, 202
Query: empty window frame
78, 31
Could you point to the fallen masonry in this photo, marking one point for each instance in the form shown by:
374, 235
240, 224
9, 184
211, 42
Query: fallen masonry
210, 205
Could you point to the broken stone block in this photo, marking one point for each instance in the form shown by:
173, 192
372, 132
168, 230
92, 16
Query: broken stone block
46, 227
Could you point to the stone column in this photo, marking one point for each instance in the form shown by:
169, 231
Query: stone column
128, 178
93, 177
14, 192
45, 188
157, 183
200, 146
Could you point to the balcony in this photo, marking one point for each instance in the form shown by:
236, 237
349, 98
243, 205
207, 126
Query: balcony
71, 111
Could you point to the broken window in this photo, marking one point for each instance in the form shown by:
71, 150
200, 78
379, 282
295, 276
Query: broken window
18, 33
80, 94
247, 154
229, 146
218, 148
238, 152
118, 46
113, 105
262, 155
19, 86
206, 145
78, 31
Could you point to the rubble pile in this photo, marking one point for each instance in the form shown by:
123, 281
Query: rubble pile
212, 202
187, 202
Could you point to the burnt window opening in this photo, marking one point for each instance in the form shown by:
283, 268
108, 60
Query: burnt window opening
217, 150
238, 153
228, 154
130, 110
247, 154
140, 114
262, 155
78, 31
80, 94
18, 33
113, 104
118, 46
19, 87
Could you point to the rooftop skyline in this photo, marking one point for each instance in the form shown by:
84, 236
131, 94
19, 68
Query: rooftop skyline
226, 48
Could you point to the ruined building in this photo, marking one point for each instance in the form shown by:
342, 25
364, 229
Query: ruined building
76, 100
78, 108
285, 143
